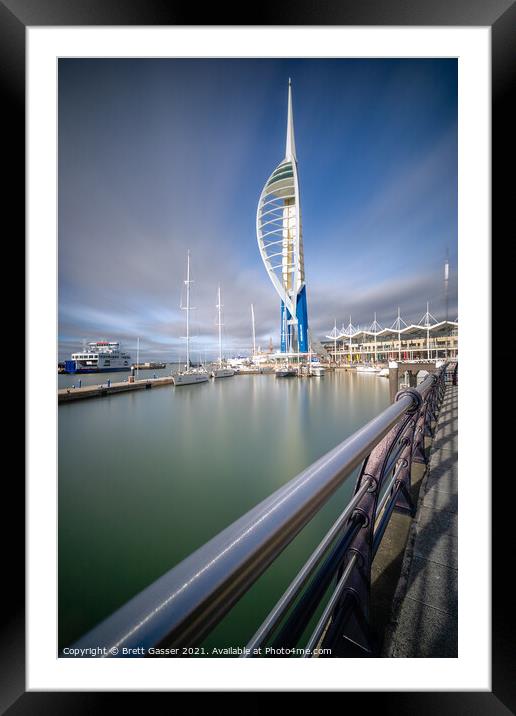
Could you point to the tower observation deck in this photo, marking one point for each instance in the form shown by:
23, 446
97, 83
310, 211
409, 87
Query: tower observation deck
279, 234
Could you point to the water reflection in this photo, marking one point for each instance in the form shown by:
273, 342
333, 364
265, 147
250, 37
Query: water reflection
147, 477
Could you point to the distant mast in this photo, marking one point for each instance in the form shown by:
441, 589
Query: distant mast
446, 280
398, 325
187, 309
219, 307
254, 331
188, 376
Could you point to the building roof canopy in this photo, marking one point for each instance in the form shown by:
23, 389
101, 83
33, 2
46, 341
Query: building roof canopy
441, 328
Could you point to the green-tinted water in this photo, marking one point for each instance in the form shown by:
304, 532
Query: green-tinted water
147, 477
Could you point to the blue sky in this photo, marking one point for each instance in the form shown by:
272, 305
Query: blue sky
160, 156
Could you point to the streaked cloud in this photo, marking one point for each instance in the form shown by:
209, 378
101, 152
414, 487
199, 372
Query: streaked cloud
160, 156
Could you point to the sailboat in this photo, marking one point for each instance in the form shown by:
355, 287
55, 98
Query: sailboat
314, 367
189, 376
221, 371
317, 369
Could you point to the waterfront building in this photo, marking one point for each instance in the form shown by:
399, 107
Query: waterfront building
427, 340
279, 234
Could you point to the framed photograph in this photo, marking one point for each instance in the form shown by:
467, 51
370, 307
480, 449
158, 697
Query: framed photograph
257, 256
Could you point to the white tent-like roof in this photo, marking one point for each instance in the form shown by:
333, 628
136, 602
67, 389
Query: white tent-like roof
439, 328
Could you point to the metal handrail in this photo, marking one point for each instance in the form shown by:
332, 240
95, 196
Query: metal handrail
328, 609
303, 575
185, 604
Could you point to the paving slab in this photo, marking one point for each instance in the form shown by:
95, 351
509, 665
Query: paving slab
444, 550
425, 632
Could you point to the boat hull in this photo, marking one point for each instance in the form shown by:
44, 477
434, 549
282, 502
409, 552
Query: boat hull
318, 372
148, 366
190, 378
96, 370
222, 373
286, 374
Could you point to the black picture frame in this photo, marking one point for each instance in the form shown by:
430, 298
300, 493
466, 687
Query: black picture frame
15, 17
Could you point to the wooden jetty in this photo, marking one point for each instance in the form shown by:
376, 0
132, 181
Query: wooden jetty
65, 395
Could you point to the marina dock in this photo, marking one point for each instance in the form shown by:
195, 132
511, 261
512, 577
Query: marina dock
72, 393
65, 395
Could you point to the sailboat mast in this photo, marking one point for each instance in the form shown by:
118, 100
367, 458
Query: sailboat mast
427, 331
254, 332
399, 335
188, 311
446, 277
350, 342
220, 330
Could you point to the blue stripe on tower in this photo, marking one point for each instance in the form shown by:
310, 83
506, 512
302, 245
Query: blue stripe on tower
285, 329
302, 321
283, 334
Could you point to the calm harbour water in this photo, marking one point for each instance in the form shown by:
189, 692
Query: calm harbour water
147, 477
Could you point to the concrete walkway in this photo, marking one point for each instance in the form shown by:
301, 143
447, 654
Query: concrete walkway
424, 620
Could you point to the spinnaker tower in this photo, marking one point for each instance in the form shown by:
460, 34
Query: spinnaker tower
279, 234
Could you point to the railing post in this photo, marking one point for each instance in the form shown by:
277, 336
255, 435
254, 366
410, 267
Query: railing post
403, 483
427, 415
418, 441
443, 382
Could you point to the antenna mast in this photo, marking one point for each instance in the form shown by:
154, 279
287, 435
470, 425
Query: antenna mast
446, 278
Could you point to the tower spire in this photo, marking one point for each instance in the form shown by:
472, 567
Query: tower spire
290, 149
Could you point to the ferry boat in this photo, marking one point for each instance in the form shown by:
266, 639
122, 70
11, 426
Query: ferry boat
99, 357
